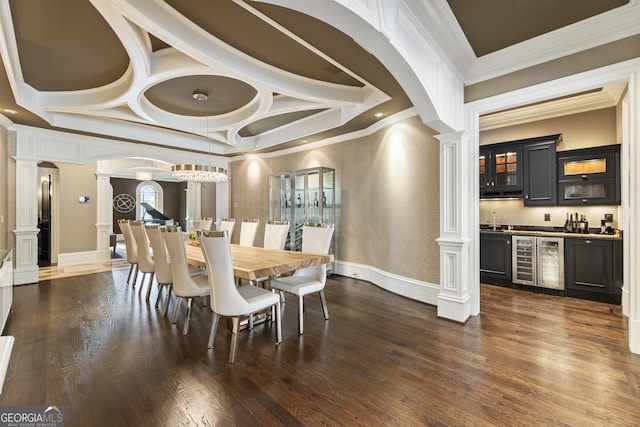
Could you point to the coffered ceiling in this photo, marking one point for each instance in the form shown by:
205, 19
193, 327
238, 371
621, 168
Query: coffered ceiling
274, 77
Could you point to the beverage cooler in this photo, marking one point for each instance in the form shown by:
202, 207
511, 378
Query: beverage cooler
538, 261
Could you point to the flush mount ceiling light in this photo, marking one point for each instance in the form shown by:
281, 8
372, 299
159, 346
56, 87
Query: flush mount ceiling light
199, 173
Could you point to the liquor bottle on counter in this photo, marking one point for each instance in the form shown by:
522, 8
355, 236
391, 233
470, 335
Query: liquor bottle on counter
581, 225
576, 224
567, 224
571, 224
586, 225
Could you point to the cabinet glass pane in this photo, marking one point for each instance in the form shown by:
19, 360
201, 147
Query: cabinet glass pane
506, 169
585, 191
482, 165
584, 167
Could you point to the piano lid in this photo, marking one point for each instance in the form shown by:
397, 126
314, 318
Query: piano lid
154, 213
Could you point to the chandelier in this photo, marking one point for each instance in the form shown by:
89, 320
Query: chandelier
199, 173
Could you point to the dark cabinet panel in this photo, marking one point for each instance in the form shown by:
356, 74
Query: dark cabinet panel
590, 267
495, 258
540, 174
589, 176
500, 170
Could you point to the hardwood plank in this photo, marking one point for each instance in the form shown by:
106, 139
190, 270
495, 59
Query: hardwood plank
94, 346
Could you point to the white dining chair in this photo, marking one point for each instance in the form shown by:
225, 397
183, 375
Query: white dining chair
185, 286
228, 224
130, 247
316, 238
227, 299
275, 237
145, 261
164, 276
248, 231
205, 224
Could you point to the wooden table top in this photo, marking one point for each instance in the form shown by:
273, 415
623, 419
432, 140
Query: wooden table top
252, 263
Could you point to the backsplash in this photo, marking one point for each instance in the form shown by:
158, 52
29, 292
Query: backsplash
515, 213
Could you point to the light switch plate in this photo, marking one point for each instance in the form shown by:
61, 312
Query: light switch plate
547, 217
608, 217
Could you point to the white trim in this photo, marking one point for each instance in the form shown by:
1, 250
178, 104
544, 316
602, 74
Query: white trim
415, 289
87, 257
379, 125
607, 27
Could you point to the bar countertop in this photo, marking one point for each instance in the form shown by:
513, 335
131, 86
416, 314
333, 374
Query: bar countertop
551, 232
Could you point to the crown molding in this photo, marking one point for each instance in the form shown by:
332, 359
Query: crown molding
605, 28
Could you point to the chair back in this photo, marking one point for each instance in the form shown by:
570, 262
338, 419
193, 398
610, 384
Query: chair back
145, 262
205, 224
183, 284
129, 241
225, 298
248, 231
163, 269
275, 234
228, 225
316, 239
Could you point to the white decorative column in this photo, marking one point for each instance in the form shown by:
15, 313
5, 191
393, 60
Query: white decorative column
632, 220
26, 232
194, 203
456, 192
104, 216
222, 199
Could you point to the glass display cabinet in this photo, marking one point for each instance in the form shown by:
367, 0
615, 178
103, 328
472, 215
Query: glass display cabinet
306, 195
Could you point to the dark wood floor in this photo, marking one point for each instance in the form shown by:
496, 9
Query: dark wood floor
92, 345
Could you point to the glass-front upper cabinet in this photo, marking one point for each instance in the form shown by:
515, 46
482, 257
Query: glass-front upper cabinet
302, 196
500, 169
589, 176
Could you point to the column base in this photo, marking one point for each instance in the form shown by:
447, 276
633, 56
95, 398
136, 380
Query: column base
457, 309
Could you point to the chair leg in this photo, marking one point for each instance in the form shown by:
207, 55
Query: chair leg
185, 328
130, 271
214, 328
160, 287
234, 339
251, 321
300, 314
278, 324
150, 286
323, 301
166, 301
175, 310
135, 276
144, 276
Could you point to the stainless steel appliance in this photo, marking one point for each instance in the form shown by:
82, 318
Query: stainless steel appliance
538, 261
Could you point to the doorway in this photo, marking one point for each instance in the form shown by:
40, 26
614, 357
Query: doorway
47, 177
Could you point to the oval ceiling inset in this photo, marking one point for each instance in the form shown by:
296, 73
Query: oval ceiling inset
224, 95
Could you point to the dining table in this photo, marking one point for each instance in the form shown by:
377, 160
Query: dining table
253, 263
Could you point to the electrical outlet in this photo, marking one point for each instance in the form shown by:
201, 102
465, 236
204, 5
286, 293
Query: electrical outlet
608, 217
547, 217
355, 275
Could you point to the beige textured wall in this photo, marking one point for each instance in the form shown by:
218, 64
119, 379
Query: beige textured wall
387, 191
590, 129
77, 220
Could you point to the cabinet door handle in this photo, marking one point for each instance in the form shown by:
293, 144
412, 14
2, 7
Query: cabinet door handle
526, 197
587, 242
508, 242
585, 201
585, 177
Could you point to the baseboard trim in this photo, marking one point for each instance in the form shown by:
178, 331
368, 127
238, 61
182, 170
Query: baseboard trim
88, 257
410, 288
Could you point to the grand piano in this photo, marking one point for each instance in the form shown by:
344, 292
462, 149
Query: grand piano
158, 217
